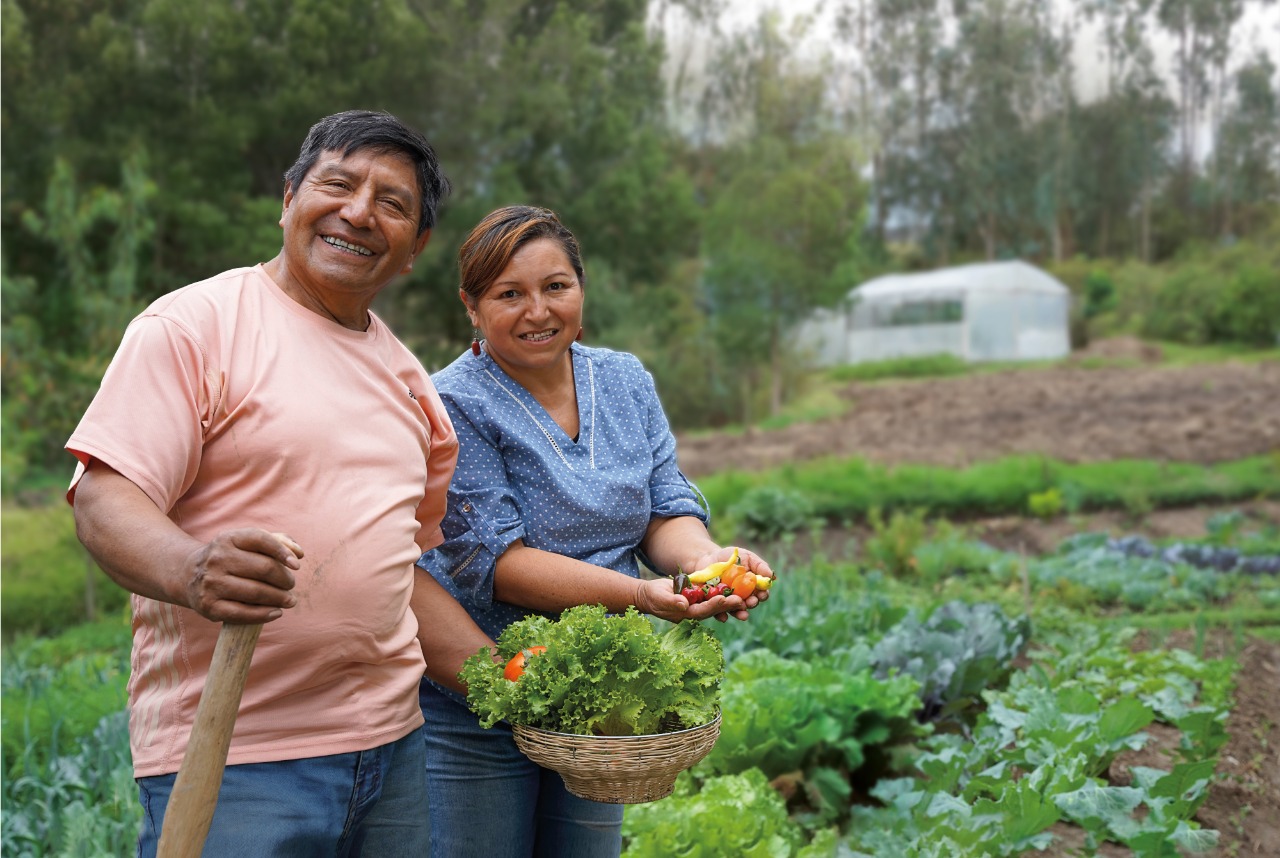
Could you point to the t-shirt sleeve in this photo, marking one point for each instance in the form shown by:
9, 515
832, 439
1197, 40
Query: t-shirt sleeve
483, 516
671, 494
149, 416
441, 463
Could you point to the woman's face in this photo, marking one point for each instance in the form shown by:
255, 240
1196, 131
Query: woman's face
531, 314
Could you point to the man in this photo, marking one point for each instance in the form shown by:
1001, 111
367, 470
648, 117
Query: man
268, 406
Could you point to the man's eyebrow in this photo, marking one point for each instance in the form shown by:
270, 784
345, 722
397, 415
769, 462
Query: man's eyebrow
337, 170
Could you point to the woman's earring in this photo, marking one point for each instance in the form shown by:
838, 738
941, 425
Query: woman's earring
475, 345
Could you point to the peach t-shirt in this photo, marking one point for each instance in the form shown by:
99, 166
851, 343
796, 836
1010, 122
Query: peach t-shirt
231, 406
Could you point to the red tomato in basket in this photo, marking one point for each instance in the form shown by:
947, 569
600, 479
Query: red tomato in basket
515, 668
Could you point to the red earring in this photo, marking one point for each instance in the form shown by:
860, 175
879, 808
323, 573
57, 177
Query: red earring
475, 345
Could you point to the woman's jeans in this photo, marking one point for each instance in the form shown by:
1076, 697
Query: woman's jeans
370, 803
488, 800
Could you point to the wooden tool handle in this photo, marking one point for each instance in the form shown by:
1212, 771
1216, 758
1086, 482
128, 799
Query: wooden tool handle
195, 792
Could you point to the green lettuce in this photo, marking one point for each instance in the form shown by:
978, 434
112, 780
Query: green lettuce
601, 674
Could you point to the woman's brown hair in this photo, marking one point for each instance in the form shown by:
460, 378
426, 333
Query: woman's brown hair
487, 251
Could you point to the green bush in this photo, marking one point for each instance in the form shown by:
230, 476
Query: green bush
49, 583
1220, 295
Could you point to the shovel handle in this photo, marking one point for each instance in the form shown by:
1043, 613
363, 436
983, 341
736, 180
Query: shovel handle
195, 792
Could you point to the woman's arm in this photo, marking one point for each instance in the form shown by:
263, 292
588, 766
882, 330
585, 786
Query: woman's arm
682, 543
545, 581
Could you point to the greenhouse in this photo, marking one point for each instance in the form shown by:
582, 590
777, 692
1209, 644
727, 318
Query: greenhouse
980, 312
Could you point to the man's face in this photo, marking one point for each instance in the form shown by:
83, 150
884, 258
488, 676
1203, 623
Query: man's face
352, 224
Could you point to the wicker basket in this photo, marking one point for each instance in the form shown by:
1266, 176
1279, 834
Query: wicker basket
618, 769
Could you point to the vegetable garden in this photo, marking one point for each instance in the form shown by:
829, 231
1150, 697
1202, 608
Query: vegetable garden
909, 689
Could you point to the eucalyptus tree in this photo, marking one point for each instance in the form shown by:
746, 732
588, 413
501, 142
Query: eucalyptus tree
985, 165
897, 49
786, 206
1247, 155
1202, 30
1126, 40
1125, 133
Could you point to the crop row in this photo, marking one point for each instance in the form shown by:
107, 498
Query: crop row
943, 710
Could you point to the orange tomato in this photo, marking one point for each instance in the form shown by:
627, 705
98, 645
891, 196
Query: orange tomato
745, 584
732, 574
515, 667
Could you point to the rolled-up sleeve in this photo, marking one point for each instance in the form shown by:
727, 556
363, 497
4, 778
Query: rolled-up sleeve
483, 516
670, 492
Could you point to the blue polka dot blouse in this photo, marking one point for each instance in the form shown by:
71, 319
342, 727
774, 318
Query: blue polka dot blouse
520, 475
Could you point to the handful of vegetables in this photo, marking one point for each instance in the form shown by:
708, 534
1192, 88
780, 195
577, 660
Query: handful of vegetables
726, 578
592, 673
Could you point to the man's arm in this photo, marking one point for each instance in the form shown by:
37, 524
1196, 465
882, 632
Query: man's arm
241, 576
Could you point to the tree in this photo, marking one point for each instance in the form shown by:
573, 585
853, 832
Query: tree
1247, 157
786, 207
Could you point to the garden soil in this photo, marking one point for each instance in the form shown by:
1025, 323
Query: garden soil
1203, 414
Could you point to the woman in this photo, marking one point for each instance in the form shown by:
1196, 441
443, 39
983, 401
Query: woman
566, 478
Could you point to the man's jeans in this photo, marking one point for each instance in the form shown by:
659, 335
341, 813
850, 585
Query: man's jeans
371, 803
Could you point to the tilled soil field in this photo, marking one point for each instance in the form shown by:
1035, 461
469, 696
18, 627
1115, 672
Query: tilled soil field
1204, 413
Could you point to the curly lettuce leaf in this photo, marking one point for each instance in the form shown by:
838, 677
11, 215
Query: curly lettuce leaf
601, 674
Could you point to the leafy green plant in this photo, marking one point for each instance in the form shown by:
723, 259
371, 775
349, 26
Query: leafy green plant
1046, 504
893, 543
811, 724
1085, 573
1034, 757
816, 610
83, 803
956, 653
737, 814
771, 512
52, 698
601, 674
950, 554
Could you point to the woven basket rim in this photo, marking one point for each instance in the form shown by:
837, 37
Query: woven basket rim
679, 732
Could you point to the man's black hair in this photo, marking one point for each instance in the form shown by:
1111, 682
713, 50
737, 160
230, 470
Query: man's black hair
353, 130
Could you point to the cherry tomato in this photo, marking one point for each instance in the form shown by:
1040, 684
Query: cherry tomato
515, 668
693, 595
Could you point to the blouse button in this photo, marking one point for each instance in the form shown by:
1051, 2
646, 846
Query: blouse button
466, 507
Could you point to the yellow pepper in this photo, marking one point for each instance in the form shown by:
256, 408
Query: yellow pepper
715, 570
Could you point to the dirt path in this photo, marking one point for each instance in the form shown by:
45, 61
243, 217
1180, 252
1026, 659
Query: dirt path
1205, 413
